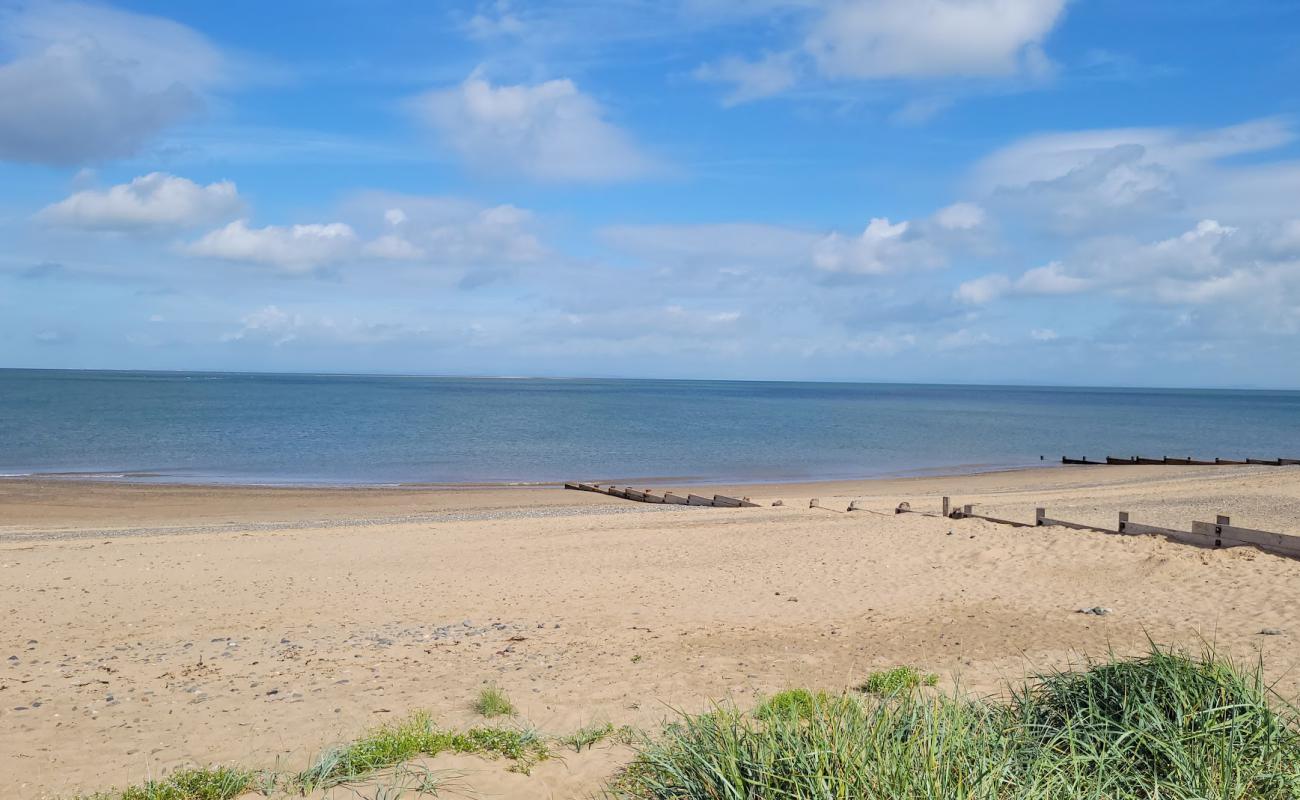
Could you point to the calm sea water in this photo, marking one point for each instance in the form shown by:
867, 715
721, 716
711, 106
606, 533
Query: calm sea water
245, 428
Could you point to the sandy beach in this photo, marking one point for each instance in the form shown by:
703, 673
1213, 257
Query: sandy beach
153, 626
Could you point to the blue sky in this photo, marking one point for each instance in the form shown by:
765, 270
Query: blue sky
1029, 191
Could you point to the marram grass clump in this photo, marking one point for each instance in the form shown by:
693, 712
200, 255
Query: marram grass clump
492, 702
197, 783
390, 745
896, 680
1166, 725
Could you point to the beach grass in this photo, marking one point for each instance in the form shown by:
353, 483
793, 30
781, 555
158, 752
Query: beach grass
492, 702
1166, 725
588, 736
198, 783
898, 679
390, 745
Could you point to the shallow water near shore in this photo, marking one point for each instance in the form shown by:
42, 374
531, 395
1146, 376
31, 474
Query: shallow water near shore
370, 430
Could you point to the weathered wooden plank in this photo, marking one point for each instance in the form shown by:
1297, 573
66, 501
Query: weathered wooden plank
1148, 461
1041, 519
1189, 461
1233, 536
723, 501
614, 491
1130, 528
675, 499
588, 487
573, 486
1227, 461
651, 497
1113, 460
1084, 460
634, 494
745, 502
1013, 523
1265, 462
696, 500
1284, 462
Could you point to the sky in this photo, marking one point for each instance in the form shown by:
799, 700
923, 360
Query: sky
1079, 192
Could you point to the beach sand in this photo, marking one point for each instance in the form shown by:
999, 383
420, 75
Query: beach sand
152, 626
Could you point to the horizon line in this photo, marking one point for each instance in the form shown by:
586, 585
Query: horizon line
480, 376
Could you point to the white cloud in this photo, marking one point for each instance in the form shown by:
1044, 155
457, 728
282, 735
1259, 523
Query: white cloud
1124, 179
892, 39
293, 248
448, 231
1040, 281
88, 82
884, 247
1049, 280
931, 38
432, 231
751, 80
961, 217
549, 131
152, 201
1043, 335
982, 290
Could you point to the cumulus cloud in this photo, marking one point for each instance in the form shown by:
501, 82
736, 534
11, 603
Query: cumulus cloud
293, 248
742, 248
893, 39
88, 82
548, 131
1037, 282
152, 201
885, 247
931, 38
1125, 179
448, 231
1255, 270
385, 227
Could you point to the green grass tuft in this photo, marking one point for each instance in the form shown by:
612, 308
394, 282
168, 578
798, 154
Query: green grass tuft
897, 680
394, 744
1163, 726
206, 783
796, 703
587, 736
492, 702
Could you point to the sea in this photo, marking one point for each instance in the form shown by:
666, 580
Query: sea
274, 429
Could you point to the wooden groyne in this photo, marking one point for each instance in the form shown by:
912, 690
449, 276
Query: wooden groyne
1211, 535
1181, 462
650, 496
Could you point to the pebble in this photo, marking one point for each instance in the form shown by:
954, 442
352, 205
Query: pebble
1095, 610
1271, 632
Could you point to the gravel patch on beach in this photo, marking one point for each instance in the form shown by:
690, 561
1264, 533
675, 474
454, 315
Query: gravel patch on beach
431, 518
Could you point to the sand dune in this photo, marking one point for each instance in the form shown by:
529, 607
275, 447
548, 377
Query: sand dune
153, 626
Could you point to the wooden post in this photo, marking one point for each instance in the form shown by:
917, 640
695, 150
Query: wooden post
1222, 520
966, 509
945, 506
1123, 521
1039, 513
